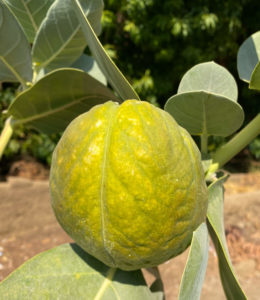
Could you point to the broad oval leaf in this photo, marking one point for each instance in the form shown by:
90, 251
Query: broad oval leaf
90, 66
209, 77
216, 229
60, 40
56, 99
248, 56
30, 14
15, 51
205, 113
255, 78
67, 272
110, 70
196, 265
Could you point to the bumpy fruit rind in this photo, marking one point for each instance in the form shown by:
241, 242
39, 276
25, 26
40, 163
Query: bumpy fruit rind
127, 184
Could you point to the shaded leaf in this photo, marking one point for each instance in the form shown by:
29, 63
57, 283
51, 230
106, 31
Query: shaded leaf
60, 40
255, 78
67, 272
196, 265
248, 56
205, 113
216, 229
56, 99
30, 14
209, 77
90, 66
15, 51
110, 70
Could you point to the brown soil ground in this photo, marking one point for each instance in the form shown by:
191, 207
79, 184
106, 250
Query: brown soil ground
28, 226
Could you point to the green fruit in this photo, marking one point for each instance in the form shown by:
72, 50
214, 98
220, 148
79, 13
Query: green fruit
127, 184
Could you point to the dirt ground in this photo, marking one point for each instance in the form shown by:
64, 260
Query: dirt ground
28, 226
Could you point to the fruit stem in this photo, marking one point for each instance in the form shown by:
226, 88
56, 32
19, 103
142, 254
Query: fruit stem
237, 143
6, 135
204, 144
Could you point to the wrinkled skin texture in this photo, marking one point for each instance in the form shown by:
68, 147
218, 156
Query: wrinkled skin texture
127, 184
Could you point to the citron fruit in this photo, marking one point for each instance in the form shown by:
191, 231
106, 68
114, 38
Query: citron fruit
127, 184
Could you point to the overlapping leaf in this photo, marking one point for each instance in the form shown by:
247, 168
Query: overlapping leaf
15, 52
248, 56
30, 14
90, 66
205, 113
60, 40
216, 228
196, 265
206, 103
56, 99
67, 272
110, 70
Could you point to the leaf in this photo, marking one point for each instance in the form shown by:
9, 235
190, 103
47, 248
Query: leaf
248, 56
67, 272
60, 40
216, 229
110, 70
205, 113
90, 66
255, 78
30, 14
196, 265
56, 99
15, 52
209, 77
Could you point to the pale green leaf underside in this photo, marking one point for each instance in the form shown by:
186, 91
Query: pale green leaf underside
15, 52
196, 265
30, 14
110, 70
205, 113
60, 40
248, 56
90, 66
56, 99
216, 229
67, 272
209, 77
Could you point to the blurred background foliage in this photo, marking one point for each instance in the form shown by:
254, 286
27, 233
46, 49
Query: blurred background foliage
154, 43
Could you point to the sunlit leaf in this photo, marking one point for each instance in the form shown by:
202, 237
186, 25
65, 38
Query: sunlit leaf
248, 56
67, 272
216, 229
15, 52
209, 77
110, 70
30, 14
255, 78
60, 40
56, 99
196, 265
205, 113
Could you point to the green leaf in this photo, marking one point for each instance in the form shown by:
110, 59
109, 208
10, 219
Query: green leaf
196, 265
56, 99
110, 70
255, 78
216, 229
67, 272
30, 14
248, 56
60, 40
205, 113
209, 77
90, 66
15, 52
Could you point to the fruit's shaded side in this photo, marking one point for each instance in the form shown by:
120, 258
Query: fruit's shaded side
127, 184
